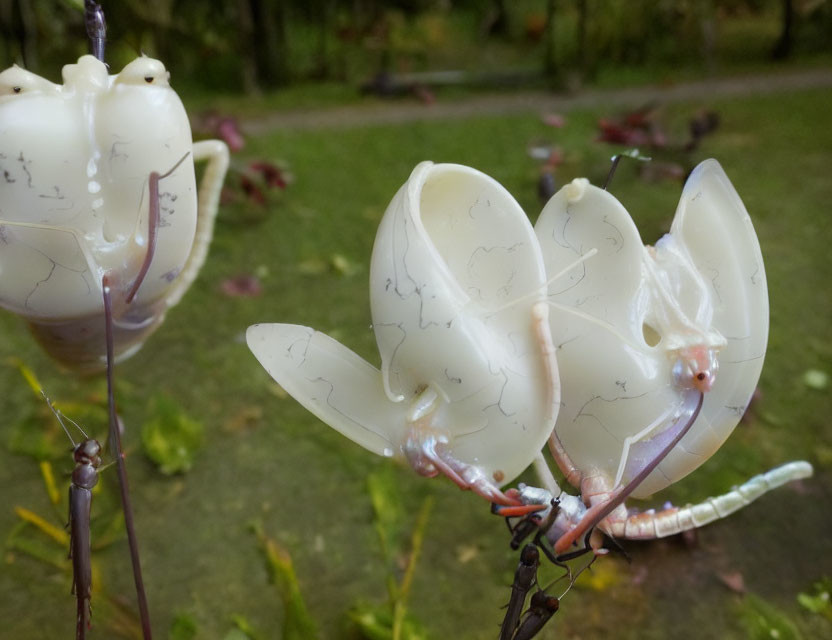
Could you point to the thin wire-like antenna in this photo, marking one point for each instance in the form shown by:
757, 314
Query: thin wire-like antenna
556, 580
572, 582
77, 426
175, 167
583, 257
60, 417
631, 153
596, 321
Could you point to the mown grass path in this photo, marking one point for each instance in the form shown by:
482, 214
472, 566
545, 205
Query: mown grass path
517, 102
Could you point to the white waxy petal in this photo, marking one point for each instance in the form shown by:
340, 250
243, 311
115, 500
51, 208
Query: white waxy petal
620, 316
334, 383
456, 273
76, 161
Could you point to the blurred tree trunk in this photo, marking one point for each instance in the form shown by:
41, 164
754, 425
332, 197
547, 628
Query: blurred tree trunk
325, 27
582, 52
783, 48
707, 22
245, 29
18, 27
6, 33
364, 13
160, 27
496, 22
550, 63
30, 34
270, 41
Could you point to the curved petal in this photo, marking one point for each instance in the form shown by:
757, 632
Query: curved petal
77, 163
45, 272
455, 277
581, 219
452, 253
713, 226
624, 312
331, 381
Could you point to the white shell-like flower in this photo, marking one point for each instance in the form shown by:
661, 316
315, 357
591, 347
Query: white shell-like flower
76, 161
639, 328
456, 284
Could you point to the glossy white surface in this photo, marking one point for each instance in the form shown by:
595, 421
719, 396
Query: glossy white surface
455, 277
624, 317
75, 162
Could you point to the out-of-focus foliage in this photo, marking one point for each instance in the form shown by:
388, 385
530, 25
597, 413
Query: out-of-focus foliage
298, 624
247, 45
817, 600
183, 628
391, 620
761, 620
170, 438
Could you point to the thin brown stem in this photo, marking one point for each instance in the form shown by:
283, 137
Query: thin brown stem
121, 468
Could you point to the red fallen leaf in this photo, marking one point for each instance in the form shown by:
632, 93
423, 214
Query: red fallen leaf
638, 119
271, 173
213, 123
229, 131
733, 580
636, 128
555, 120
251, 190
243, 286
615, 133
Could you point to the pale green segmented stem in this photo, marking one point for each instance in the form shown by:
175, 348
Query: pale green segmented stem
668, 522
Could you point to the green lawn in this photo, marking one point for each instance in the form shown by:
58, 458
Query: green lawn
307, 484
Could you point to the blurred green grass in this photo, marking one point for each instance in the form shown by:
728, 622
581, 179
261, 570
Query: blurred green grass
307, 484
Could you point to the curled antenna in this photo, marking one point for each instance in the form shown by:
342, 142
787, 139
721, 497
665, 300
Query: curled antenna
96, 28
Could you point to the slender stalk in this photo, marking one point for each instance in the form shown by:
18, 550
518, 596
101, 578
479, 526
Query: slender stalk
96, 28
400, 603
115, 444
